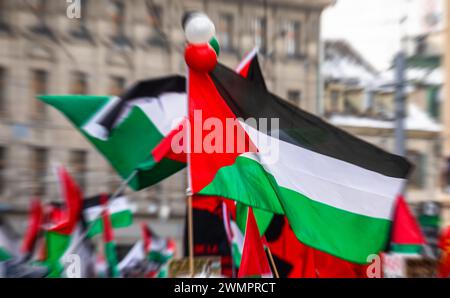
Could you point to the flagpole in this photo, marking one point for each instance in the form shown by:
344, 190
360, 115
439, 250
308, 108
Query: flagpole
190, 236
124, 184
272, 262
190, 214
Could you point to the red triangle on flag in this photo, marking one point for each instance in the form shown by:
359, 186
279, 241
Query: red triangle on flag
405, 229
254, 261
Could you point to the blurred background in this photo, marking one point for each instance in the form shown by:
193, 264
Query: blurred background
341, 60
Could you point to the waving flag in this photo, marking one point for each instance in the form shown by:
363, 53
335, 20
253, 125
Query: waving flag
159, 252
64, 229
337, 191
119, 209
406, 234
126, 129
34, 228
129, 131
108, 240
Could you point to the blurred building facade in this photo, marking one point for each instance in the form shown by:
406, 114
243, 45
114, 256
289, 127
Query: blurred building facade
361, 100
112, 45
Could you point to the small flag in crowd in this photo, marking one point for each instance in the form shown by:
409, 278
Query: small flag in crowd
406, 234
159, 251
108, 240
120, 211
64, 223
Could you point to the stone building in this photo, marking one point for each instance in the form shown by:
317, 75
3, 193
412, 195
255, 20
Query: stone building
361, 100
46, 48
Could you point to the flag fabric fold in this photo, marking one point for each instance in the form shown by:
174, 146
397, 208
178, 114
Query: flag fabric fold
34, 227
254, 261
126, 129
337, 191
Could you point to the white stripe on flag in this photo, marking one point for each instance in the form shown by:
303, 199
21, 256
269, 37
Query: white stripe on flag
325, 179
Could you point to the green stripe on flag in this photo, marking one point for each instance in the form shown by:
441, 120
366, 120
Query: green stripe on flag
262, 217
111, 258
4, 254
159, 257
407, 248
57, 245
236, 255
324, 227
429, 221
119, 220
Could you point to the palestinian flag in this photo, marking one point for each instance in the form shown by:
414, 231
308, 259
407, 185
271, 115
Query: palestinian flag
337, 191
250, 69
126, 129
133, 262
64, 224
119, 209
235, 221
108, 240
406, 234
235, 236
35, 222
254, 261
158, 250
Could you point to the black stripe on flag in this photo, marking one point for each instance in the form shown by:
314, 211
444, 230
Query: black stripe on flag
303, 129
147, 88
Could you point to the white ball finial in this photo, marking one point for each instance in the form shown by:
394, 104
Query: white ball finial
199, 29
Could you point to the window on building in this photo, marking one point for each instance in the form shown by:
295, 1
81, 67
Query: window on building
417, 177
2, 89
39, 159
294, 96
334, 101
260, 33
79, 83
225, 31
2, 12
155, 21
2, 169
117, 12
80, 29
293, 38
78, 164
40, 9
83, 11
447, 176
39, 85
117, 85
434, 102
369, 100
349, 107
